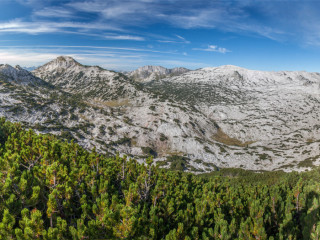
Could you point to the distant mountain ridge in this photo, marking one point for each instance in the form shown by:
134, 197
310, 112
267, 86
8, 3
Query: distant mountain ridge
30, 68
18, 74
150, 73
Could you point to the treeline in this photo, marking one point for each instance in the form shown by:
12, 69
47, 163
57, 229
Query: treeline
50, 189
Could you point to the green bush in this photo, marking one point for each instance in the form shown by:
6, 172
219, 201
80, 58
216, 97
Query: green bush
52, 189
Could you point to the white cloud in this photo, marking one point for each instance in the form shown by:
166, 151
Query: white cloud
54, 12
277, 20
109, 57
274, 19
125, 37
127, 13
19, 26
178, 39
183, 39
30, 57
167, 41
25, 58
213, 48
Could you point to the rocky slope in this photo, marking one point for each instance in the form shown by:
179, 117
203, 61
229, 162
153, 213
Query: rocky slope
134, 121
267, 120
19, 75
213, 117
150, 73
88, 81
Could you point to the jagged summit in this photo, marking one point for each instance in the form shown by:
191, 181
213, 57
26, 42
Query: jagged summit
62, 62
149, 73
13, 72
152, 68
19, 75
73, 77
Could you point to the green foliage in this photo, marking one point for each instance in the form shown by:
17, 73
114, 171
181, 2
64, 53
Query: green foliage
178, 163
149, 151
121, 141
163, 137
52, 189
66, 135
152, 108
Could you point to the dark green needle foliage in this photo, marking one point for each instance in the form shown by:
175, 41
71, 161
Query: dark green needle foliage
53, 189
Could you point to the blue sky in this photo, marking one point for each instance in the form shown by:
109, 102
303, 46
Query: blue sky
123, 35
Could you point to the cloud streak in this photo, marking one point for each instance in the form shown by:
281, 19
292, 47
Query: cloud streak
213, 48
54, 12
276, 20
263, 18
125, 37
179, 39
19, 26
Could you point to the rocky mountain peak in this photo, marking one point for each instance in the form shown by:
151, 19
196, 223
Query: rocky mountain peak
150, 73
152, 69
13, 72
179, 70
62, 62
58, 65
92, 81
18, 74
18, 67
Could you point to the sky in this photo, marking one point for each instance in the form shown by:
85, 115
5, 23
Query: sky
271, 35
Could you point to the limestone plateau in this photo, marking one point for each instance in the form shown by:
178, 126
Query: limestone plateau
201, 120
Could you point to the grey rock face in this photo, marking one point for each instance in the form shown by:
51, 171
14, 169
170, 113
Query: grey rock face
150, 73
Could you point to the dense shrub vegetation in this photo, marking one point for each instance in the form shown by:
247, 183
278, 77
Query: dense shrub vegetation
51, 189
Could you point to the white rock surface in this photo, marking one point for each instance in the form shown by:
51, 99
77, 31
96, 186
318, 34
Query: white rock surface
150, 73
223, 116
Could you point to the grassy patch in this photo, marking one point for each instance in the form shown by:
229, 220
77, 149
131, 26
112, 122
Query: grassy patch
308, 162
222, 137
115, 103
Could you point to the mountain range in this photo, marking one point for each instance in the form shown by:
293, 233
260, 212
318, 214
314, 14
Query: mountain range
197, 121
149, 73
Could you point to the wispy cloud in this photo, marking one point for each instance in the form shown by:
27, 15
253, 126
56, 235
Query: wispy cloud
84, 47
177, 39
213, 48
54, 12
35, 3
119, 11
19, 26
275, 20
125, 37
107, 57
182, 39
231, 16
